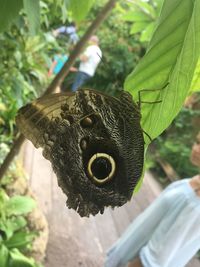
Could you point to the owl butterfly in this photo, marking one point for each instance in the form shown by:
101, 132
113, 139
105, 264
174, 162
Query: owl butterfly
94, 142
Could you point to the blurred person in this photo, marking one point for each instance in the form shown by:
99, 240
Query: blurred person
90, 59
167, 233
70, 31
57, 64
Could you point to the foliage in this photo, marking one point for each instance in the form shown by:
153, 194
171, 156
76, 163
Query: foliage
24, 61
119, 59
174, 145
143, 16
171, 57
15, 238
79, 8
10, 11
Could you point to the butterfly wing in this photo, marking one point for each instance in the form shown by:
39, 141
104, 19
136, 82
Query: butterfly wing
94, 142
34, 118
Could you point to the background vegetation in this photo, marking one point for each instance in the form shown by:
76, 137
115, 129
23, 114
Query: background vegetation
27, 48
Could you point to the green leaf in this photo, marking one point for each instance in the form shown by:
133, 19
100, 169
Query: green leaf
138, 27
32, 9
147, 8
147, 32
4, 254
79, 8
10, 225
195, 86
8, 12
20, 240
18, 205
136, 16
171, 57
17, 259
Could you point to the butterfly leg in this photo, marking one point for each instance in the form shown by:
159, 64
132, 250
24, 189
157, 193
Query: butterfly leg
149, 90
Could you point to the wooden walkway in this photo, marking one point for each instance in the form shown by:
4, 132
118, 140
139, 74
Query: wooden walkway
76, 241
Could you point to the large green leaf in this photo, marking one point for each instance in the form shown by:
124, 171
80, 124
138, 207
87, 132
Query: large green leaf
9, 10
18, 205
171, 57
32, 9
79, 8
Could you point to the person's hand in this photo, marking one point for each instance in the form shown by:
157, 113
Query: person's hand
49, 73
195, 155
83, 58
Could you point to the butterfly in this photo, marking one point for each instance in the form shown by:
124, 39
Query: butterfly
94, 142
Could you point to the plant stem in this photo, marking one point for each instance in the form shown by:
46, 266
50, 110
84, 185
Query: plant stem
60, 77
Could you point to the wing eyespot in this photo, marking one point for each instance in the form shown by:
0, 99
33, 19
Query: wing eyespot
101, 168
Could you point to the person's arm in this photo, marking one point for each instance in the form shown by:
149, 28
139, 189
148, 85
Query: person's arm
59, 30
52, 68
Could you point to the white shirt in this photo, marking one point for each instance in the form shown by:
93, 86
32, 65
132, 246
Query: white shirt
167, 234
94, 54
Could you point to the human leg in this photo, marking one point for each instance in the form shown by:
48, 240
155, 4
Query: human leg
80, 79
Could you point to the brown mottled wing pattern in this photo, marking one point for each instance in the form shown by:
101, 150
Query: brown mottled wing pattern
94, 142
34, 118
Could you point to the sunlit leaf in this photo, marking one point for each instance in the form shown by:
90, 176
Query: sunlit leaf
9, 226
19, 205
147, 32
79, 8
171, 57
136, 15
146, 7
17, 259
20, 240
138, 27
195, 86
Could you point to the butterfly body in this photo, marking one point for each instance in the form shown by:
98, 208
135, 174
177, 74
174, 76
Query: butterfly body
94, 142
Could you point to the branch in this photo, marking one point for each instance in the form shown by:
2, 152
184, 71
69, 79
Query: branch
60, 77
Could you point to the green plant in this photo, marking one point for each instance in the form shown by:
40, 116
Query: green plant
171, 57
174, 145
15, 238
143, 17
